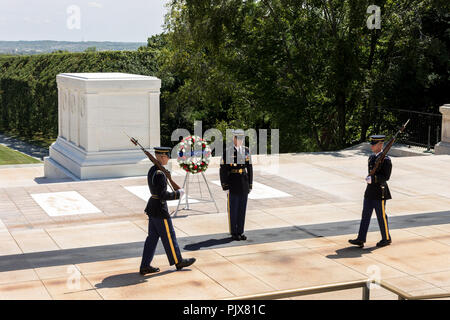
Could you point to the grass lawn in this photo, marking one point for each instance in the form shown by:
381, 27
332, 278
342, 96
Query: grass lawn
9, 156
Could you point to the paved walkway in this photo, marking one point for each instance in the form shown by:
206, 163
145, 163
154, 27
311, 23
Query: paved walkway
83, 240
21, 146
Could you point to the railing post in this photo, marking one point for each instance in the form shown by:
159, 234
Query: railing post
429, 137
443, 147
437, 135
366, 291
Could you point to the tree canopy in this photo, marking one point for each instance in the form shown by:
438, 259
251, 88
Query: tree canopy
311, 68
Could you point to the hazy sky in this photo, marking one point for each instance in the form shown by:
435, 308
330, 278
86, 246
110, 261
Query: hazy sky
81, 20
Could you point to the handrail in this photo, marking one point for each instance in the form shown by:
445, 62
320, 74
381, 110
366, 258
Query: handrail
364, 284
411, 111
431, 296
303, 291
402, 295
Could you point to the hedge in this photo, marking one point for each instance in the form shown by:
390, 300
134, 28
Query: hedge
28, 90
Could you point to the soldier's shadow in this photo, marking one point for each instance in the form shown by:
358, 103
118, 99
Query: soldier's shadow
128, 279
207, 243
351, 252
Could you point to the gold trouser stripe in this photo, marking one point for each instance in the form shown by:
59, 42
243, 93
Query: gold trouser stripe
170, 241
228, 209
384, 218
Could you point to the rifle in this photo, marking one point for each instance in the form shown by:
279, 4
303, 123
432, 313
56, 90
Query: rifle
173, 184
386, 150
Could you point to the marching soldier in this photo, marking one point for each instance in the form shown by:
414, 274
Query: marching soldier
377, 192
236, 176
159, 221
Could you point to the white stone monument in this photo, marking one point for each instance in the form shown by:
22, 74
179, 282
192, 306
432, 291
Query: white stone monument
443, 147
94, 111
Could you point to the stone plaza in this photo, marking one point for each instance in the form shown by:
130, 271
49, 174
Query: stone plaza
74, 227
63, 239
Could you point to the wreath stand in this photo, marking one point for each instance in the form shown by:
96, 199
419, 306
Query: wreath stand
186, 184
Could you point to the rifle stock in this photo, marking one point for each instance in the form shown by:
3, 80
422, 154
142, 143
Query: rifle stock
175, 186
386, 150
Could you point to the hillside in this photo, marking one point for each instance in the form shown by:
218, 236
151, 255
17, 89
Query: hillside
47, 46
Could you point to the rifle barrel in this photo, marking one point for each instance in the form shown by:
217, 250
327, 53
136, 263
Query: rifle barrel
172, 183
386, 149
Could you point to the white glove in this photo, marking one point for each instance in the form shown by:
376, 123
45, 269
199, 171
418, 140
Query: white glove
369, 179
181, 192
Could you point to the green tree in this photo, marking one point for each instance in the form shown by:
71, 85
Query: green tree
311, 68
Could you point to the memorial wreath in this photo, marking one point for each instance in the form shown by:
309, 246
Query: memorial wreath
194, 154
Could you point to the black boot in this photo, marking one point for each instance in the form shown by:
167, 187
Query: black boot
149, 269
242, 237
384, 243
357, 242
185, 263
235, 237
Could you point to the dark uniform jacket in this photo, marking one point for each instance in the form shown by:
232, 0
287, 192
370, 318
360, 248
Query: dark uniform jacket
237, 176
374, 190
157, 205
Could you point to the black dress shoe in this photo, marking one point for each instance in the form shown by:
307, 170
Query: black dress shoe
242, 237
357, 242
384, 243
185, 263
235, 237
149, 269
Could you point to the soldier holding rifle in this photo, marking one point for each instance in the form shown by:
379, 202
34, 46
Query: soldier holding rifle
159, 221
377, 190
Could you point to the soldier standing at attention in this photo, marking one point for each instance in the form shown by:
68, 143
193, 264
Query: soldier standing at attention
236, 176
159, 221
377, 192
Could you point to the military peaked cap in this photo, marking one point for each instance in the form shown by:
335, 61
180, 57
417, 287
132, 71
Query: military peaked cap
162, 150
377, 138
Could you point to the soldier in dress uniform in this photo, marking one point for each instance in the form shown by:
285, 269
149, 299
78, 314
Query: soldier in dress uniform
159, 221
377, 192
236, 177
